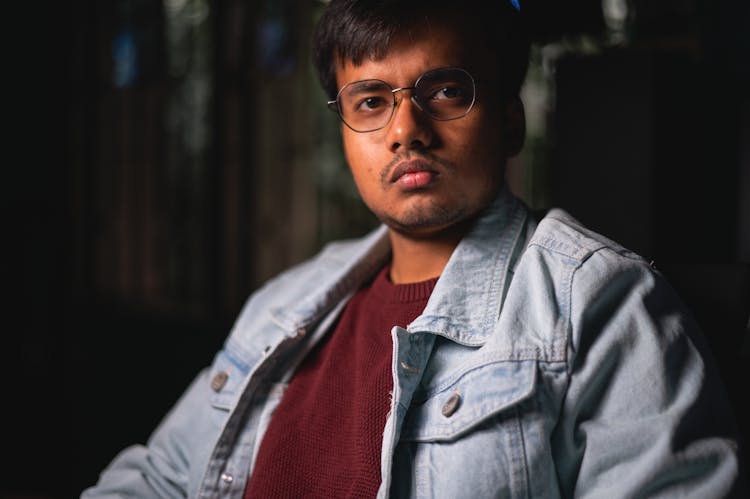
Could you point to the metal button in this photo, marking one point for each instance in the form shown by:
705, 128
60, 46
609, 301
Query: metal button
451, 405
227, 477
219, 380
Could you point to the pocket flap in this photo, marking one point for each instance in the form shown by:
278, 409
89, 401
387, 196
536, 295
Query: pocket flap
224, 379
475, 396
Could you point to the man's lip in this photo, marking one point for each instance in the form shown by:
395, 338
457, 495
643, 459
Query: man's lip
412, 166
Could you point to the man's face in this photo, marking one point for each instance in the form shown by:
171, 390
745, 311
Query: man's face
421, 176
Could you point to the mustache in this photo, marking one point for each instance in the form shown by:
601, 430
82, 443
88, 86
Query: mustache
399, 158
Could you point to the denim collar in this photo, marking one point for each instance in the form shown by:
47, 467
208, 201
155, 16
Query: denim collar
340, 270
467, 298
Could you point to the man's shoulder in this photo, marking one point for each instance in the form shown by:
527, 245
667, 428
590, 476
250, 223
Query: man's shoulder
304, 292
334, 259
579, 260
585, 266
559, 233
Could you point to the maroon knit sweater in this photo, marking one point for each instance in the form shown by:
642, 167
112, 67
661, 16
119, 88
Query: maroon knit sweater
325, 438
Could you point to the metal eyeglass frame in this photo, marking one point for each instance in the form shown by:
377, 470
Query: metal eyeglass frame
334, 105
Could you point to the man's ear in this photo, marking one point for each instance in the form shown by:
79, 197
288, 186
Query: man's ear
515, 127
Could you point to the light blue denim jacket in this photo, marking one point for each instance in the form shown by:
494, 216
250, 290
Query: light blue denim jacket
548, 362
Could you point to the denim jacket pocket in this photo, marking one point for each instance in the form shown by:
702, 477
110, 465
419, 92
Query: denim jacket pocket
466, 400
464, 438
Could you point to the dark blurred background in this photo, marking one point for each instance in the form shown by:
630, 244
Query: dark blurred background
166, 158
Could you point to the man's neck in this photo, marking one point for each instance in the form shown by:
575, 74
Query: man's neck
417, 259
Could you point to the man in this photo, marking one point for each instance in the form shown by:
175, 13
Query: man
463, 349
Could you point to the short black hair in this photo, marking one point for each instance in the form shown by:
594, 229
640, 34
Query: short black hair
358, 29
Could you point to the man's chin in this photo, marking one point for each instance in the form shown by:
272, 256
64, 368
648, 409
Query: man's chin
427, 224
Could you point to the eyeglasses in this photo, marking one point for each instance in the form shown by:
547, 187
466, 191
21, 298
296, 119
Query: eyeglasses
443, 94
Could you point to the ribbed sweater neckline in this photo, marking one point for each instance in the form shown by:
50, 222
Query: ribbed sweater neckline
386, 291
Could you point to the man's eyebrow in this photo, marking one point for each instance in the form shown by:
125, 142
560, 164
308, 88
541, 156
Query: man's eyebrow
365, 86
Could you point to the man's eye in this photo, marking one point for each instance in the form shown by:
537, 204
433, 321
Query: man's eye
370, 103
446, 93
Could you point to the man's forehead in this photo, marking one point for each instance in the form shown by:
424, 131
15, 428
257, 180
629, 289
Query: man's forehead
423, 46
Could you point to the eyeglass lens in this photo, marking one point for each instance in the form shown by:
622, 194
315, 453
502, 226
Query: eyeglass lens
444, 94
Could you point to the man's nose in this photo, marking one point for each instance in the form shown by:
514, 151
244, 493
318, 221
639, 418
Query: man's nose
410, 127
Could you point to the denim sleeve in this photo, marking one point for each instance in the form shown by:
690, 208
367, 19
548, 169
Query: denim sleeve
645, 413
161, 468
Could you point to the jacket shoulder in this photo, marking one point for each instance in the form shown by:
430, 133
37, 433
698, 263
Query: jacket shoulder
558, 232
302, 293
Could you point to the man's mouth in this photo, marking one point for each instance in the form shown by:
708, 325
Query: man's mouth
413, 174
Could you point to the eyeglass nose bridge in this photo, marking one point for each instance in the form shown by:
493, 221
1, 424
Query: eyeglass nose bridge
413, 98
